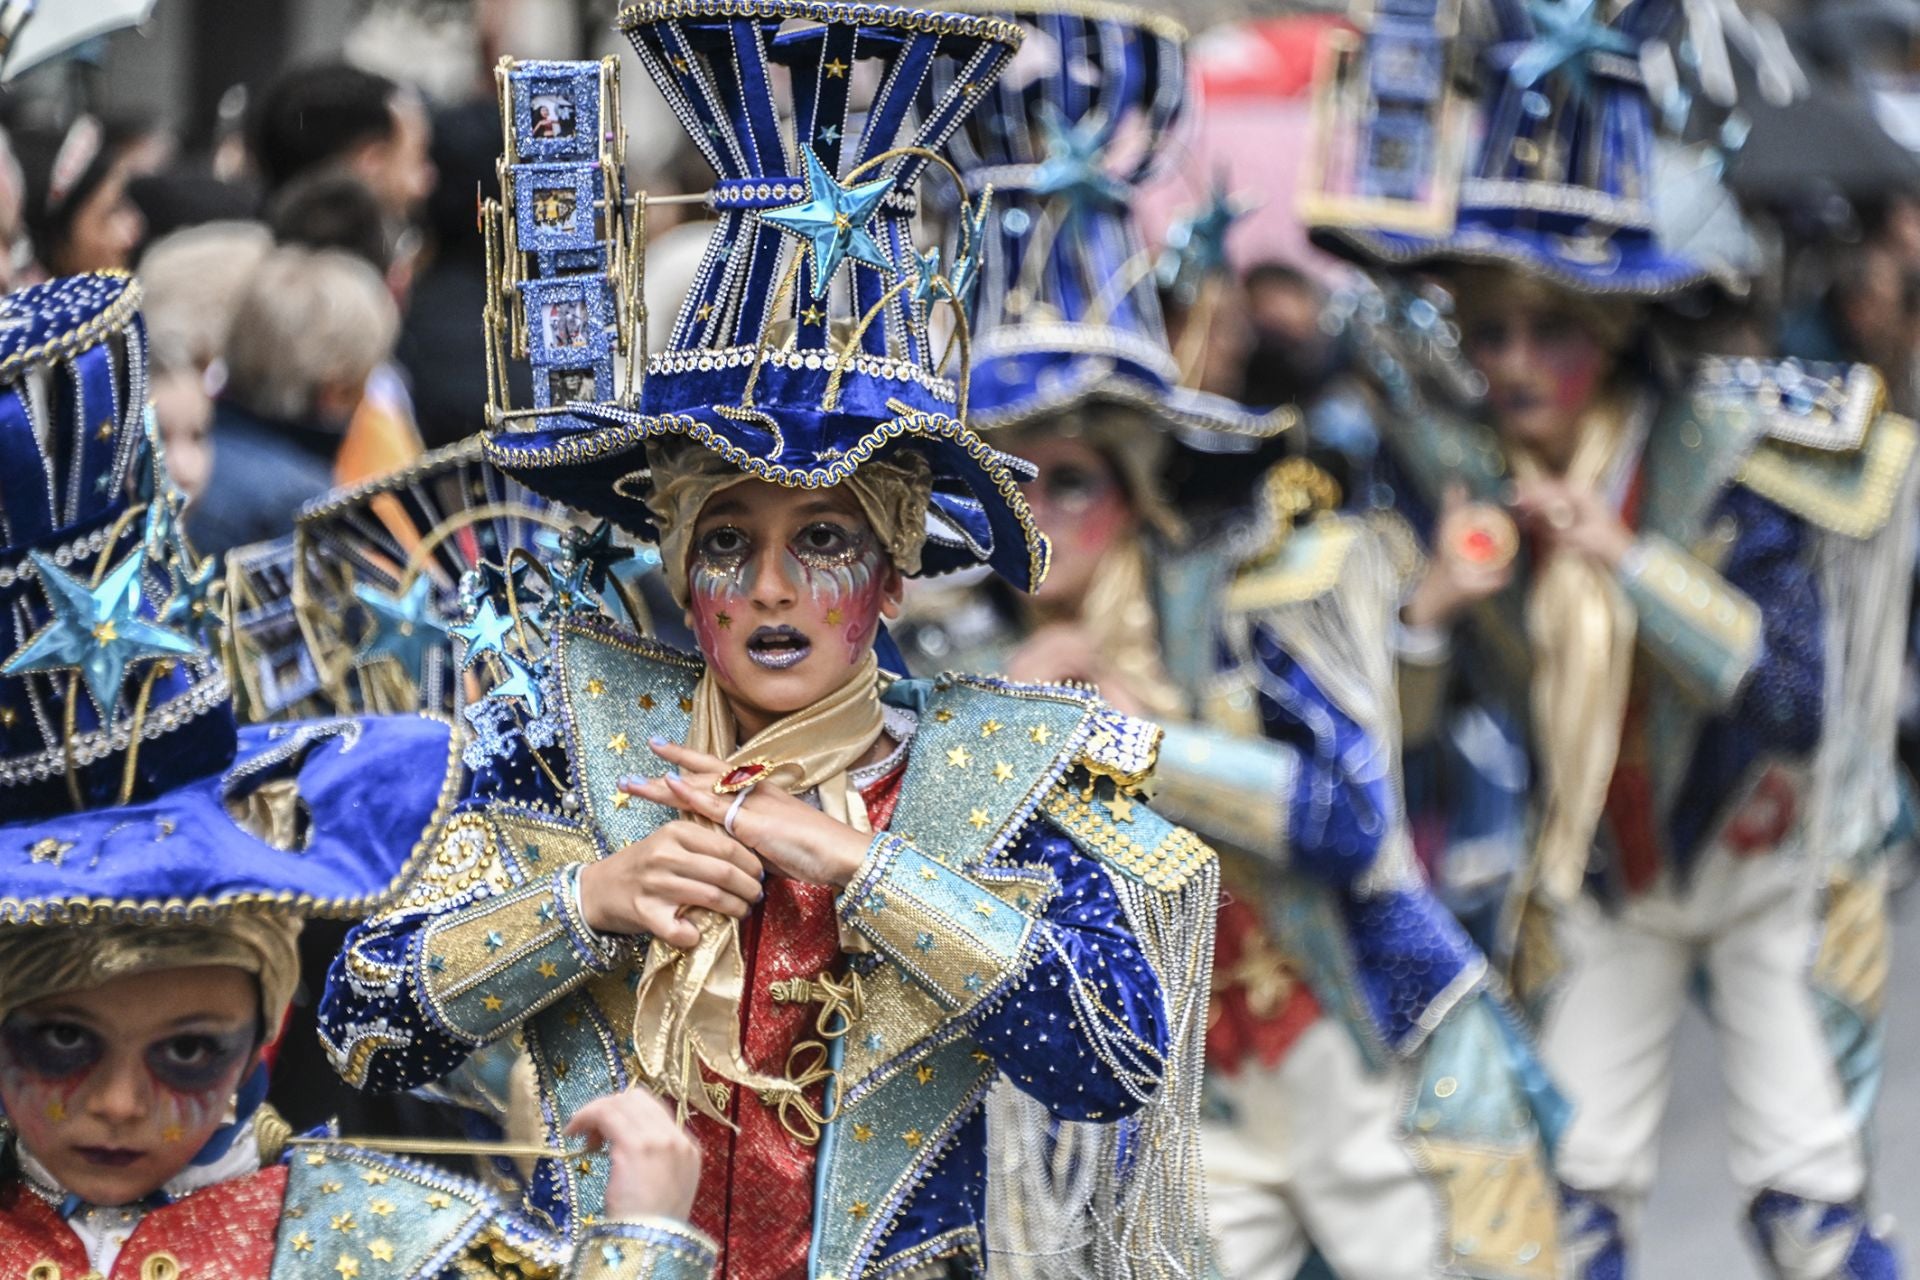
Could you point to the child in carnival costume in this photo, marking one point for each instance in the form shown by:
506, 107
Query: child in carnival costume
160, 865
821, 908
1341, 987
1703, 629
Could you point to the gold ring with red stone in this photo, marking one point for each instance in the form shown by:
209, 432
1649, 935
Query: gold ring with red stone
1488, 538
742, 776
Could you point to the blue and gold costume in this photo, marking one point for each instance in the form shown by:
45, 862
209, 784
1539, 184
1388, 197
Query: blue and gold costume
1020, 961
1717, 821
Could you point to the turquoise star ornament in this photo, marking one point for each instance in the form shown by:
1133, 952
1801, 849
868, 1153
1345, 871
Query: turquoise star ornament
404, 626
926, 271
97, 631
485, 633
1197, 244
1569, 32
191, 608
833, 222
1072, 167
522, 682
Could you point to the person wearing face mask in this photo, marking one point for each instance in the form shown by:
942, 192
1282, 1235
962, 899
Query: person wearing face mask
1699, 617
859, 928
165, 863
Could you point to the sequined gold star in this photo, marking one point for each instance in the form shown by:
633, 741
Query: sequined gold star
857, 1210
381, 1208
912, 1137
438, 1200
1040, 734
348, 1266
863, 1133
301, 1242
492, 1003
812, 315
646, 702
620, 799
1002, 771
978, 819
315, 1160
343, 1222
983, 909
924, 1073
1121, 808
329, 1188
959, 757
617, 744
381, 1251
990, 728
373, 1177
836, 70
549, 970
943, 715
596, 687
702, 311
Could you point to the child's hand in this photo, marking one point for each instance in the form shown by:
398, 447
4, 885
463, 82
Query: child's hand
643, 888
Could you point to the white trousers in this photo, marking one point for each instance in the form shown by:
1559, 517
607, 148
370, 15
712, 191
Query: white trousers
1315, 1158
1751, 927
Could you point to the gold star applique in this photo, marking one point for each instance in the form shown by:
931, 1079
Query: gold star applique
596, 687
943, 715
862, 1133
104, 432
723, 620
1002, 771
621, 799
978, 819
1121, 808
646, 702
857, 1210
959, 757
686, 705
549, 970
679, 64
585, 1167
315, 1160
373, 1177
811, 315
438, 1200
329, 1188
990, 728
56, 1111
837, 70
924, 1073
911, 1137
381, 1251
381, 1208
343, 1222
981, 1055
983, 909
301, 1242
617, 744
492, 1003
702, 311
50, 850
348, 1266
928, 873
1040, 734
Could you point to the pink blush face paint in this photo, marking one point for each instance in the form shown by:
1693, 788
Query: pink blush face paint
844, 591
717, 595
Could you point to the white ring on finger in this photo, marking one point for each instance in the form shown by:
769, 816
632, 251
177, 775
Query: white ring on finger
733, 810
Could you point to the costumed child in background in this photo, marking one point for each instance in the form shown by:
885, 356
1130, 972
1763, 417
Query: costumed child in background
820, 908
1703, 629
1357, 1071
161, 863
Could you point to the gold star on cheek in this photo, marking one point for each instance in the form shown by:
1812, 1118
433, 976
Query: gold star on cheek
595, 688
923, 1073
862, 1133
1040, 733
1121, 808
56, 1111
549, 970
959, 758
911, 1137
834, 617
302, 1243
381, 1251
990, 728
172, 1133
1002, 771
493, 1003
723, 620
617, 744
978, 819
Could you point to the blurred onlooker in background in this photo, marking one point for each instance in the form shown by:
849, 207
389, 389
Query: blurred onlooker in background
16, 252
310, 328
1871, 313
332, 209
334, 114
1293, 356
193, 281
77, 210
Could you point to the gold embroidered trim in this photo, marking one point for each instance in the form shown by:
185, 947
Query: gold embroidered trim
1852, 496
1168, 865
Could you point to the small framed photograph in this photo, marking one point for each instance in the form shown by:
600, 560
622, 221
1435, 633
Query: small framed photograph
553, 206
555, 110
569, 322
564, 385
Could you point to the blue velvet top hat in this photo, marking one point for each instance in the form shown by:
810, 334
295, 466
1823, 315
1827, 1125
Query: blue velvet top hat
1562, 186
803, 347
126, 790
1066, 311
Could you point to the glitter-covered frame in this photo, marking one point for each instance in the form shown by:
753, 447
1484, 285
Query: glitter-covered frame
575, 230
572, 262
544, 392
537, 296
578, 83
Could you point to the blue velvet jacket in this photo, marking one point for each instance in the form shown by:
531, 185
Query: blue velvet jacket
995, 943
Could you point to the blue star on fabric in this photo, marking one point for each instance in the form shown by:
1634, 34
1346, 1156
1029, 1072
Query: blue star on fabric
404, 626
190, 610
1197, 244
927, 271
485, 633
495, 581
97, 631
1568, 32
521, 683
594, 552
833, 221
966, 264
1072, 167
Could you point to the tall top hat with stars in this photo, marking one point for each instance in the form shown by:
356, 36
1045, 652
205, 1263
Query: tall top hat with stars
1562, 186
803, 348
126, 790
1067, 312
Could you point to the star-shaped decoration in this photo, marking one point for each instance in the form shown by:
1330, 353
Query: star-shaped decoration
983, 909
812, 315
1039, 734
1197, 244
857, 1210
343, 1222
926, 275
348, 1266
959, 757
924, 1073
301, 1242
965, 275
723, 620
492, 1003
381, 1250
833, 222
912, 1137
549, 970
97, 631
1072, 168
1567, 34
495, 581
863, 1133
1121, 808
373, 1177
438, 1200
973, 982
404, 626
486, 632
521, 683
191, 610
830, 134
990, 728
593, 550
977, 819
943, 715
48, 849
381, 1208
618, 744
836, 70
1002, 771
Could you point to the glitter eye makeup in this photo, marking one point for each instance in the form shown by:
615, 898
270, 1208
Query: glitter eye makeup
826, 545
54, 1049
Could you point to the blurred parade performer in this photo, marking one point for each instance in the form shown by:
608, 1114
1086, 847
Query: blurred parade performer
1358, 1074
820, 908
165, 861
1702, 621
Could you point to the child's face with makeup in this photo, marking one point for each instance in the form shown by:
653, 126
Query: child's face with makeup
114, 1089
787, 588
1544, 369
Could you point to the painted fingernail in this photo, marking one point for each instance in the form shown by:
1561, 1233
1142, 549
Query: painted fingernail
632, 780
673, 775
656, 741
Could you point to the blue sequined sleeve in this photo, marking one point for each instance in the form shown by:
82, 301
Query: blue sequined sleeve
1770, 565
371, 1019
1046, 973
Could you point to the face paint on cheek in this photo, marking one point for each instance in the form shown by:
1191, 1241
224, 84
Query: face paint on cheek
846, 593
1577, 367
716, 592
